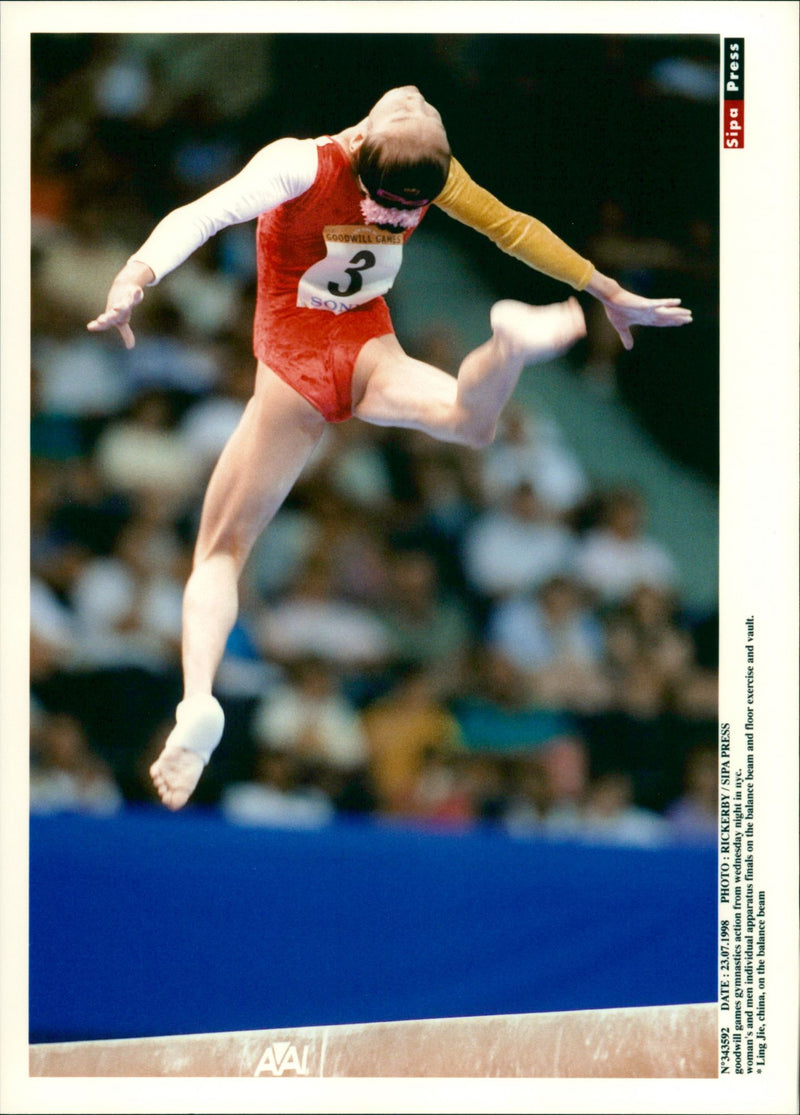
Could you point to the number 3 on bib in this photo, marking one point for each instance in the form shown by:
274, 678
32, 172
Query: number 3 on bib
361, 263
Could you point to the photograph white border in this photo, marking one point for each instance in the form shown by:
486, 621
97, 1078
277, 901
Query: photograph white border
758, 516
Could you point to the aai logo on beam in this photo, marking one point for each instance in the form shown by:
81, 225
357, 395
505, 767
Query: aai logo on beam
280, 1057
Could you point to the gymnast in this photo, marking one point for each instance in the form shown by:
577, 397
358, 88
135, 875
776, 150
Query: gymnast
333, 214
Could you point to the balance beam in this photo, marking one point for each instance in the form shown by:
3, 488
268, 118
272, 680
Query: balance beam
671, 1041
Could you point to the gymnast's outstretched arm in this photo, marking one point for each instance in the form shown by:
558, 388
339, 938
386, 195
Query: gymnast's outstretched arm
280, 171
528, 240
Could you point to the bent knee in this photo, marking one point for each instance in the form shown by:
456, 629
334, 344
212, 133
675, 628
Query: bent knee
483, 437
228, 546
475, 433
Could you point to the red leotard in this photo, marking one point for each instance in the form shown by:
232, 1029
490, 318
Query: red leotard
314, 349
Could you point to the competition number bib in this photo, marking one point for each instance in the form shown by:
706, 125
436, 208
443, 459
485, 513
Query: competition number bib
361, 263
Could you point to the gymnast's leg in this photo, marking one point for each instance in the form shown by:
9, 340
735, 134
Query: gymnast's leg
256, 471
392, 389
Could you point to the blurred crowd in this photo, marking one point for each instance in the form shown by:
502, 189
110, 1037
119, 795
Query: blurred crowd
427, 633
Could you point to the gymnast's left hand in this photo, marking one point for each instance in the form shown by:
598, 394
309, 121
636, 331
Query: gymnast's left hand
624, 309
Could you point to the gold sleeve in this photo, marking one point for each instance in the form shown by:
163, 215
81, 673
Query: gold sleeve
519, 235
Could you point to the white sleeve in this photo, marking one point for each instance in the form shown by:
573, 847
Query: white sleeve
279, 172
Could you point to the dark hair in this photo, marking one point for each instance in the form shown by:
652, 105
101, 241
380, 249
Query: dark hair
402, 172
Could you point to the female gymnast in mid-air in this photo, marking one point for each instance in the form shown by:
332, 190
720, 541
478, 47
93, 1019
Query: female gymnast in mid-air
333, 216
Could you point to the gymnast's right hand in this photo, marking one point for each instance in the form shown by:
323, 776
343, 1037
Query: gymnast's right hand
126, 291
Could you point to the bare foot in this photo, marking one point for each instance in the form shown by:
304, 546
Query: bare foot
538, 333
199, 721
175, 774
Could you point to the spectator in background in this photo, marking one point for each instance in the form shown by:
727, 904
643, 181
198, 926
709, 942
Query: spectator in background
84, 247
276, 796
173, 357
127, 606
607, 814
207, 423
65, 774
437, 494
52, 632
400, 727
350, 542
558, 641
443, 791
143, 453
82, 384
121, 82
697, 698
651, 668
54, 436
208, 300
497, 715
48, 485
354, 466
290, 545
615, 557
425, 626
529, 799
310, 620
529, 450
643, 637
449, 487
309, 718
694, 816
84, 511
517, 547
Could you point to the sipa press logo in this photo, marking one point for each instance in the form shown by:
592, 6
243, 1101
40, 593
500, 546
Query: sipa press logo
733, 114
280, 1057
